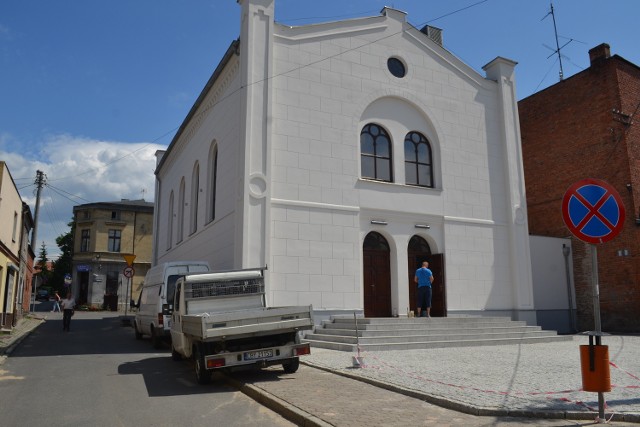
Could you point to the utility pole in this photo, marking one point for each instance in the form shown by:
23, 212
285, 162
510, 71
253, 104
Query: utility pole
40, 181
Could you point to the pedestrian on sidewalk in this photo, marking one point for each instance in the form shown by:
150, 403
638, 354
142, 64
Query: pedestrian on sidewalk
424, 279
68, 305
56, 302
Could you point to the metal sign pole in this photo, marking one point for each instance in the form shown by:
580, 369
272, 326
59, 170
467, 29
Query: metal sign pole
126, 302
594, 212
596, 314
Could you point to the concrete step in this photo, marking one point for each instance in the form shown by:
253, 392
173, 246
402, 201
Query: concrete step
433, 323
416, 333
414, 320
425, 331
393, 339
436, 344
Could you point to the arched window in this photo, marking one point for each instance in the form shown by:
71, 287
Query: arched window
418, 244
181, 203
375, 153
195, 191
170, 222
375, 241
212, 179
418, 162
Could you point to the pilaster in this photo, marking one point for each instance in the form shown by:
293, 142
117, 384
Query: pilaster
256, 58
501, 70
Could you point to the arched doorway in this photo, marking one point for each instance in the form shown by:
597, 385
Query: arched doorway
419, 250
376, 276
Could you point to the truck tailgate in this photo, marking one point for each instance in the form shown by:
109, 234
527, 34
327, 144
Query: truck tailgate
236, 324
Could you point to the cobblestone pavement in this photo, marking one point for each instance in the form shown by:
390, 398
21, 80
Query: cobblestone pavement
531, 379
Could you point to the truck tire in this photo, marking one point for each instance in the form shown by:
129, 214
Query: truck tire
175, 356
156, 341
203, 375
136, 331
291, 366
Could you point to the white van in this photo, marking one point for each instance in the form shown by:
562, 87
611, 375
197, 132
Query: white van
155, 303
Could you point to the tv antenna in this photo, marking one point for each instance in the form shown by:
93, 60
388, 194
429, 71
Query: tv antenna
558, 47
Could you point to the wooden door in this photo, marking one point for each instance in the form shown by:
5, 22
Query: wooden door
376, 277
417, 252
439, 298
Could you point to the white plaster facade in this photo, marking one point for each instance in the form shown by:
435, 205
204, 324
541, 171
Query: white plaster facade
284, 111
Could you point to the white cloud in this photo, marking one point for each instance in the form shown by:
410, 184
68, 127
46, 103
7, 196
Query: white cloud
79, 170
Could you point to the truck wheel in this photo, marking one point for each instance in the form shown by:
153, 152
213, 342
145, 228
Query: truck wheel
291, 366
156, 341
175, 356
203, 376
136, 331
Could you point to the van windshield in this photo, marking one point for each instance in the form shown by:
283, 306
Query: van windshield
171, 286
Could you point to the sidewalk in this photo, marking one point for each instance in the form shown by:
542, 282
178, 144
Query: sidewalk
539, 382
25, 325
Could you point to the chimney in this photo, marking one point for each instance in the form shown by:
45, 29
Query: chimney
433, 33
599, 53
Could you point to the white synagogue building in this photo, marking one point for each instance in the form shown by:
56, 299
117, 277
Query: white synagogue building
341, 155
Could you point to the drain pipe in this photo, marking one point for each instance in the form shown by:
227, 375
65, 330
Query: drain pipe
566, 251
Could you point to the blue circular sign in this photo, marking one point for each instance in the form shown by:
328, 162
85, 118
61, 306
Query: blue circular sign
593, 211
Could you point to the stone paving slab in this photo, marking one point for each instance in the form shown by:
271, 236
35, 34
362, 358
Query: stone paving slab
525, 379
328, 399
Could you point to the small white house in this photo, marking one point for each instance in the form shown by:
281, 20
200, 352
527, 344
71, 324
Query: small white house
343, 154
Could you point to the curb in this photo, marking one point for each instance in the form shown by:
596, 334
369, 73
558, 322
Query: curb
6, 351
282, 407
478, 410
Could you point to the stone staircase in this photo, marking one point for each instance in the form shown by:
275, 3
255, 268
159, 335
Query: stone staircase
378, 334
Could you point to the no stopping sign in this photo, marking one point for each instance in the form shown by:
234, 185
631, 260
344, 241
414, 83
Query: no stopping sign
593, 211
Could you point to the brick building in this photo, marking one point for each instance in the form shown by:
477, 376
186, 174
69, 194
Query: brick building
583, 127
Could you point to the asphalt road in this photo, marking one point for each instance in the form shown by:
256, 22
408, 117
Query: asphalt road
99, 375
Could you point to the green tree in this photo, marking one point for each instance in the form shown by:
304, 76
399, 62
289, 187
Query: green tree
41, 264
63, 264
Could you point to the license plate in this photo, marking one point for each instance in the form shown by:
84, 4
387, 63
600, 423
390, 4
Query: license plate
255, 355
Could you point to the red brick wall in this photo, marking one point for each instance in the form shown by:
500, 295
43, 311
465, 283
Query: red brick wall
570, 132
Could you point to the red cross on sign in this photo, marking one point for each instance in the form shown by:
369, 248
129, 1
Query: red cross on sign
593, 211
128, 272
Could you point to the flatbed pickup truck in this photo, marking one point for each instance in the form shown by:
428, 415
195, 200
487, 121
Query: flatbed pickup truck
220, 321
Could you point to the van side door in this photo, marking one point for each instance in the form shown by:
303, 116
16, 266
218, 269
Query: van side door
177, 337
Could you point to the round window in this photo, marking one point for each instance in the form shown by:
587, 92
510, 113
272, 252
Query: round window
396, 67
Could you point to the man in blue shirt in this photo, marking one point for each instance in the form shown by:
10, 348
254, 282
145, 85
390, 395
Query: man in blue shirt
424, 279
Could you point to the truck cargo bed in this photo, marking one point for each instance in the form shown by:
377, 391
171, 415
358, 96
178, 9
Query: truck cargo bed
243, 323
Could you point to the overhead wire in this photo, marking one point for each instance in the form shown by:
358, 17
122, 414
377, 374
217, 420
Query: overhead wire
270, 78
117, 159
546, 74
61, 191
25, 186
53, 219
332, 56
606, 165
313, 18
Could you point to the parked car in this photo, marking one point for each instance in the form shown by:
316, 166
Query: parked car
42, 295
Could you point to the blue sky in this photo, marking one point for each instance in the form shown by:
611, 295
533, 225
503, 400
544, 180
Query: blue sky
90, 89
